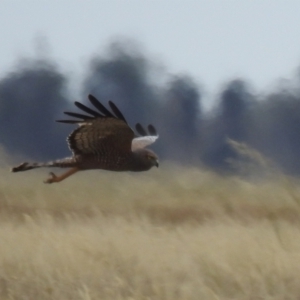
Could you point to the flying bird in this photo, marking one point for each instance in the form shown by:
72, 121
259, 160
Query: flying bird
103, 140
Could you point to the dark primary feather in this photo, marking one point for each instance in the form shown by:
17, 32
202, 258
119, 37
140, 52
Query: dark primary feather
140, 129
68, 121
116, 111
100, 107
104, 112
152, 130
76, 115
88, 110
143, 132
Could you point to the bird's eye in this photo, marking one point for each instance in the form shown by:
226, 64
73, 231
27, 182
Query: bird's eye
149, 157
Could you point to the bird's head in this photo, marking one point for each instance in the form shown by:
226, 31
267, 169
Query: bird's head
144, 159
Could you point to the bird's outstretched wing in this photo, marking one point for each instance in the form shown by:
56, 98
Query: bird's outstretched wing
100, 130
146, 138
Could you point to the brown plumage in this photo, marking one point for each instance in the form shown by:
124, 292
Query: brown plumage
103, 140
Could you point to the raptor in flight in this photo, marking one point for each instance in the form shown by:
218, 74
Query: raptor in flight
103, 140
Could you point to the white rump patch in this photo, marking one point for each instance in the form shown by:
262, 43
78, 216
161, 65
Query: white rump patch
84, 123
143, 141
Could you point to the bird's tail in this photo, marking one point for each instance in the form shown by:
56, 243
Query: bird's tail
62, 163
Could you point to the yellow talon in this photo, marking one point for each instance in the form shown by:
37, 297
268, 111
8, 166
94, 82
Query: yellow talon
53, 178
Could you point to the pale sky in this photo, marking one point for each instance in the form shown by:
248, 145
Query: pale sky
213, 41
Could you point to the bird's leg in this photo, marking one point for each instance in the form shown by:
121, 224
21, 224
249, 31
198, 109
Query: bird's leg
61, 177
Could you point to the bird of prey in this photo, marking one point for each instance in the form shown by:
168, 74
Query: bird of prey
103, 140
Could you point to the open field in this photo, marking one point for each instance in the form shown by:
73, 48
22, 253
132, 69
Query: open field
166, 234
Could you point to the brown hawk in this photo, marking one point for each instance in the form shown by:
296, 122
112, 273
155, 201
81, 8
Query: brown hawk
103, 140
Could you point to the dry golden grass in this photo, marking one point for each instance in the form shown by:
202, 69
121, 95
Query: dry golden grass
166, 234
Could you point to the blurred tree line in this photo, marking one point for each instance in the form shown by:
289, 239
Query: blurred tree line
36, 94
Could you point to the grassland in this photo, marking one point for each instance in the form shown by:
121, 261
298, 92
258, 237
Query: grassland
172, 233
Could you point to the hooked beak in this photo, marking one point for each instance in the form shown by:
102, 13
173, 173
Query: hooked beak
157, 163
